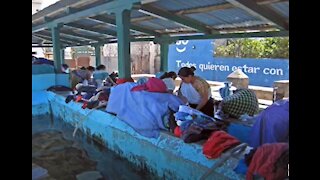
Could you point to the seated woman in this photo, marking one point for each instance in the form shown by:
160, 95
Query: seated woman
101, 75
196, 90
80, 76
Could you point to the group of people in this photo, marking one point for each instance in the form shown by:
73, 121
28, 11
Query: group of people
270, 127
92, 85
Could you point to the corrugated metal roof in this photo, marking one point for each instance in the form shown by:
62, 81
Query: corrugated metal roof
219, 17
135, 14
185, 16
177, 5
282, 8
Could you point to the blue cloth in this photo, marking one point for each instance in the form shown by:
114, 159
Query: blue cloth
201, 120
143, 111
241, 167
240, 131
185, 125
225, 91
182, 116
271, 125
142, 80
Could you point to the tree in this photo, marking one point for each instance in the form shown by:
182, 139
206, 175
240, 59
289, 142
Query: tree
255, 48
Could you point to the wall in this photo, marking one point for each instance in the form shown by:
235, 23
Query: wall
145, 57
199, 53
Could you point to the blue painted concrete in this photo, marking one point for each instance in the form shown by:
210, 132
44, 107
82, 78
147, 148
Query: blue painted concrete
42, 69
167, 156
63, 79
43, 81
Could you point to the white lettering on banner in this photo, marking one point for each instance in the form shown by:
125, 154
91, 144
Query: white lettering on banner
178, 63
226, 68
187, 64
183, 42
246, 69
213, 67
273, 71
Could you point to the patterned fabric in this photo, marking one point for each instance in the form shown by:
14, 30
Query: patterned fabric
243, 101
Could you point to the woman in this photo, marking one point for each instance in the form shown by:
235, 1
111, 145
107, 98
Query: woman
168, 78
196, 90
101, 75
80, 76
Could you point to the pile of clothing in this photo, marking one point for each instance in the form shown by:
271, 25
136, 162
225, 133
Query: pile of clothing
269, 161
193, 125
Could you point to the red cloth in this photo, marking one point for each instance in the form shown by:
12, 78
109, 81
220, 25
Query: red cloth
152, 85
264, 159
103, 97
78, 98
85, 104
124, 80
218, 142
177, 131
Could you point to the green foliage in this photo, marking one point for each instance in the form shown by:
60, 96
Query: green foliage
255, 48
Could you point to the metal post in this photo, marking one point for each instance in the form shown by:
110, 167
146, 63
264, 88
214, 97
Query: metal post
62, 56
97, 50
56, 48
164, 49
123, 33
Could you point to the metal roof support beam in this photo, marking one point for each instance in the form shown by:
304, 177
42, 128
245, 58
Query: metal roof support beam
152, 11
108, 7
123, 32
41, 46
173, 39
71, 33
261, 12
56, 48
86, 28
48, 38
133, 27
73, 40
233, 35
262, 2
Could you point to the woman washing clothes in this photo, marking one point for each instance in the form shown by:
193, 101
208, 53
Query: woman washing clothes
196, 90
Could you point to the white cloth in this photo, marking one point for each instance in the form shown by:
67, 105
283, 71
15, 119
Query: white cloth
169, 83
192, 95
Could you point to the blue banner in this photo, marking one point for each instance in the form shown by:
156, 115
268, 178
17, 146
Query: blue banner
199, 53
